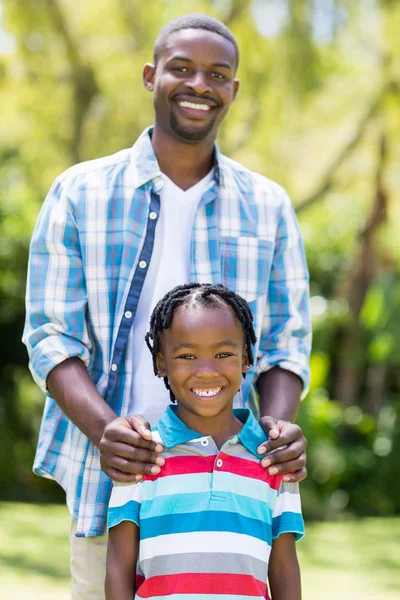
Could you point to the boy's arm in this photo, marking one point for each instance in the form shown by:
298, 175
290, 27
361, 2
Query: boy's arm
283, 570
122, 555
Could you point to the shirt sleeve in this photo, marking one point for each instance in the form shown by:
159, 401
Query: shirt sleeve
286, 332
286, 516
56, 296
125, 504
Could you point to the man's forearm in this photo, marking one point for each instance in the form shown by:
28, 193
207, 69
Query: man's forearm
75, 393
279, 392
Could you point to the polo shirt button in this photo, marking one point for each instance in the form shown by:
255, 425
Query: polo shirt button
153, 215
204, 442
143, 264
128, 314
113, 367
219, 463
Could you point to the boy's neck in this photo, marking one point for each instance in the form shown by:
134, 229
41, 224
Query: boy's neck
221, 428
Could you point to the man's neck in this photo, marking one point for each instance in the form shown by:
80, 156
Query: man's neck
184, 164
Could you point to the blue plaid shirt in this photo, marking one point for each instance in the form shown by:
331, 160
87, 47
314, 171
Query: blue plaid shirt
88, 259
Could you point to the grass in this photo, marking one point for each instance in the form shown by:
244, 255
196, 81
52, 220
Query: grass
352, 560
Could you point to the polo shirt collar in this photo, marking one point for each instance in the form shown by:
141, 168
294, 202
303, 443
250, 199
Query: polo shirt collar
174, 432
145, 166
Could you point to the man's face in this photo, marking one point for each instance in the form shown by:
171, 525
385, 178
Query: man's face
193, 84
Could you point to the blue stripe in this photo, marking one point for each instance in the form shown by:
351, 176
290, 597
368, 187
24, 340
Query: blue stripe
211, 521
288, 522
128, 512
224, 483
197, 502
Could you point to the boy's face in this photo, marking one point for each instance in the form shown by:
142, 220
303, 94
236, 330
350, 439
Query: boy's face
204, 357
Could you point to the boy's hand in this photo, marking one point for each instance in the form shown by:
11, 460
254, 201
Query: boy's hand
127, 451
292, 458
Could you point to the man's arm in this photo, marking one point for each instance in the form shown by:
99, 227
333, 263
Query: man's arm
279, 393
283, 570
130, 454
58, 342
285, 345
122, 555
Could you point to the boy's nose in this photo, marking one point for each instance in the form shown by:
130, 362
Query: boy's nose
206, 370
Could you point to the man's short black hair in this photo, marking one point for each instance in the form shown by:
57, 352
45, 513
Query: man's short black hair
193, 21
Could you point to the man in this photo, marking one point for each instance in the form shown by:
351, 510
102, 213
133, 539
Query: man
113, 236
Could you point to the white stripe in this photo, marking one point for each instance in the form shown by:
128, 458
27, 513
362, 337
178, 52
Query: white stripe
122, 494
287, 502
204, 542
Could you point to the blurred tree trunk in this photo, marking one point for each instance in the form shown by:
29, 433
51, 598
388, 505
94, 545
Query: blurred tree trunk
82, 78
351, 355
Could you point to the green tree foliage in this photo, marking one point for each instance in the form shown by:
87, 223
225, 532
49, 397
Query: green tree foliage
318, 111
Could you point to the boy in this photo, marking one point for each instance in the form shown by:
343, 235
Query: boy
213, 523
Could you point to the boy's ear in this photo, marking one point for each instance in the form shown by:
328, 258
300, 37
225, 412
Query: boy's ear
245, 363
161, 370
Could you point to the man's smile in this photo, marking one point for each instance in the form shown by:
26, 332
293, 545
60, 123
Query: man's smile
193, 106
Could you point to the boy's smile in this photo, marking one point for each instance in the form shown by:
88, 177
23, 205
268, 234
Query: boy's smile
204, 357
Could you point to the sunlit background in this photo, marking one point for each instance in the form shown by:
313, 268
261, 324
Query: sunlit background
319, 112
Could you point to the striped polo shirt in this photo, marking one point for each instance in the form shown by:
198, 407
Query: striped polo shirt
208, 520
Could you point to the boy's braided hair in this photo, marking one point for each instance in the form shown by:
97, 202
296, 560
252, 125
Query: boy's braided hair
205, 294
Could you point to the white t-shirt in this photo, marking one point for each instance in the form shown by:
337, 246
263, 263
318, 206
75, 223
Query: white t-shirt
169, 266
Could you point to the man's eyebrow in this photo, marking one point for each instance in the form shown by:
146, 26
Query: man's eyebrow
181, 58
220, 65
223, 66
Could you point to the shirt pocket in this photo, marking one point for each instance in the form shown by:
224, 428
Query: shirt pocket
246, 264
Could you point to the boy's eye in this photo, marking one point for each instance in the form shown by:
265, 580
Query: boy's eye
224, 354
218, 75
181, 69
186, 356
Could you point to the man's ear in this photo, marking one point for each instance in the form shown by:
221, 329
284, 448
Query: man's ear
148, 74
161, 370
236, 85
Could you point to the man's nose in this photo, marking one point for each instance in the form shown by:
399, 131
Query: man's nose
199, 83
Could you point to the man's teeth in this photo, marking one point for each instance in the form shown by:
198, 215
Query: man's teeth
186, 104
207, 393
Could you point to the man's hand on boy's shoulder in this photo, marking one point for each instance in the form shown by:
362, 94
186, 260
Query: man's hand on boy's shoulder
127, 451
291, 459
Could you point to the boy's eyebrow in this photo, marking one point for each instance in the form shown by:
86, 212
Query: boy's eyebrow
189, 345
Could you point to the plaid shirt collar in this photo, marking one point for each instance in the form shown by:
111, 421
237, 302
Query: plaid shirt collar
149, 170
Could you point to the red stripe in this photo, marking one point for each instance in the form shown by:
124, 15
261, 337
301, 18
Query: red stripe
203, 583
248, 468
186, 465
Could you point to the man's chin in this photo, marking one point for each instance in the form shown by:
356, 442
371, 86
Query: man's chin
190, 134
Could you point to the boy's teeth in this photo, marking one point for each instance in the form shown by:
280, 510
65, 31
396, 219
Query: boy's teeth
207, 393
186, 104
